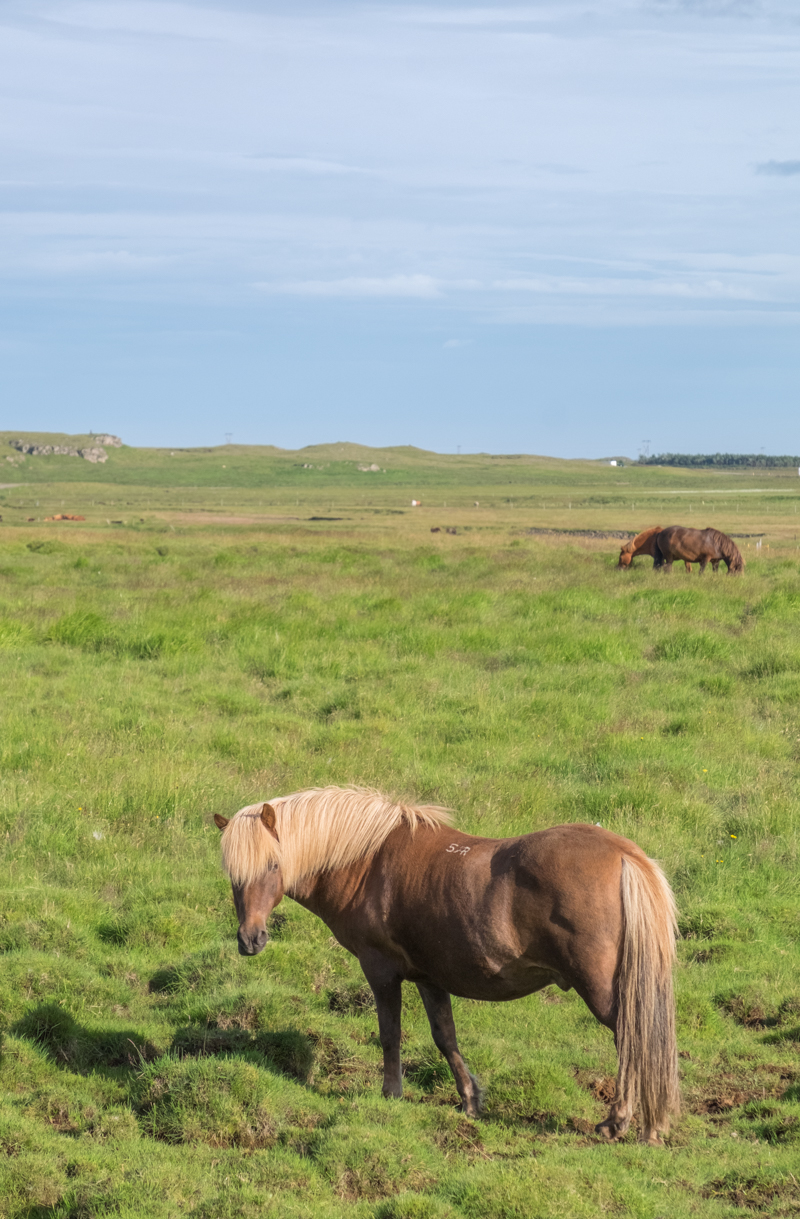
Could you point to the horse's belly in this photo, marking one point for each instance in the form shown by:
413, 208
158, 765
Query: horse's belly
513, 980
515, 983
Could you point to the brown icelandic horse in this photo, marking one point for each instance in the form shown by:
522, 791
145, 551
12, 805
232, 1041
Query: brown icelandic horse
484, 918
643, 543
697, 545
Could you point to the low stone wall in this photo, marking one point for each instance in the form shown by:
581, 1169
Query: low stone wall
624, 534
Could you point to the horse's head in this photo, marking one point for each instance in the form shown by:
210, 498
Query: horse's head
256, 898
625, 556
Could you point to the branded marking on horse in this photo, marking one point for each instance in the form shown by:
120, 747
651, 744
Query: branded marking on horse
456, 849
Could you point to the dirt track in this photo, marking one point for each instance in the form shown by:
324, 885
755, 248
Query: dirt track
218, 518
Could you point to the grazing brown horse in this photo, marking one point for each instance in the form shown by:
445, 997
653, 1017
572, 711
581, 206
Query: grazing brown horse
643, 543
416, 900
697, 545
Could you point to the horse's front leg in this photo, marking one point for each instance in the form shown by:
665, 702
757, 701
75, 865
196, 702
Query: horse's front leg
386, 986
440, 1014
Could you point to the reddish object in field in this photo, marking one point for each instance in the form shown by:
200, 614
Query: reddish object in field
64, 516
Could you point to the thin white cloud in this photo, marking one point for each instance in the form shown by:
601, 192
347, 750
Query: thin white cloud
419, 286
709, 289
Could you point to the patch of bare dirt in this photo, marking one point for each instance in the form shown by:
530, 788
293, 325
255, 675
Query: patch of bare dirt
463, 1138
337, 1066
748, 1012
602, 1087
716, 1105
247, 1018
757, 1192
729, 1091
349, 1000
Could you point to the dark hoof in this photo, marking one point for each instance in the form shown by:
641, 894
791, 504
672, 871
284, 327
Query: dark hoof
609, 1131
473, 1106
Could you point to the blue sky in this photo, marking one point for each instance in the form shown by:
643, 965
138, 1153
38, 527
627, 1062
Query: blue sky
562, 228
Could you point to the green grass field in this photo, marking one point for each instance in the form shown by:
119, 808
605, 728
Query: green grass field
200, 642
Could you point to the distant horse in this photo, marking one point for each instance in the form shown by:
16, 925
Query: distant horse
693, 545
416, 900
643, 543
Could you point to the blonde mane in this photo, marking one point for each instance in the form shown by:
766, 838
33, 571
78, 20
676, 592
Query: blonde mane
317, 831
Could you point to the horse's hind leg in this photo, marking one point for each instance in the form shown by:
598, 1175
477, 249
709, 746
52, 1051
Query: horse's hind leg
440, 1014
619, 1117
598, 993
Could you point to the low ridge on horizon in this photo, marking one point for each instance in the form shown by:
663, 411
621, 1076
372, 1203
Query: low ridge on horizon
351, 448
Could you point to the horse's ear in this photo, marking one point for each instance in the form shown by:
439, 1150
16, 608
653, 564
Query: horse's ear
269, 819
219, 821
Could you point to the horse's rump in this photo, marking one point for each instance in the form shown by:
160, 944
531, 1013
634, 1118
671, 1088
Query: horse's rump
682, 542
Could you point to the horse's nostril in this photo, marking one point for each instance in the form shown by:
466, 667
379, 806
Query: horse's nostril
251, 945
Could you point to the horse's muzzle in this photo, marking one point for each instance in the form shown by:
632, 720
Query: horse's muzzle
251, 945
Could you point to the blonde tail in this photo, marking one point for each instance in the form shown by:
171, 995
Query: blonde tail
646, 1045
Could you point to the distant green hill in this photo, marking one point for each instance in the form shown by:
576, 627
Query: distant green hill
255, 466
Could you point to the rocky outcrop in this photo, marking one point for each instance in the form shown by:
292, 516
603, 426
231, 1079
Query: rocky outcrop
96, 453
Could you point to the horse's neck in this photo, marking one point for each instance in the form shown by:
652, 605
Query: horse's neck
369, 880
647, 546
327, 892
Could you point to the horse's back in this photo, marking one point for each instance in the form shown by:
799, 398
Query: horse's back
681, 542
